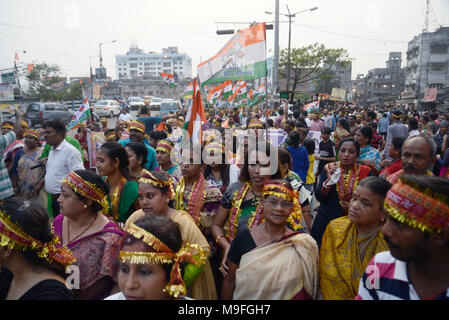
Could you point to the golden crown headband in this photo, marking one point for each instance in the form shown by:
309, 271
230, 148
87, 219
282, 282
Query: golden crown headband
12, 236
87, 190
33, 133
163, 255
280, 190
148, 178
136, 125
164, 146
416, 209
7, 126
215, 147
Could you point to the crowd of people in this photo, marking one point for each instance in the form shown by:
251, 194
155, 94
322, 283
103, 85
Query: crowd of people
355, 205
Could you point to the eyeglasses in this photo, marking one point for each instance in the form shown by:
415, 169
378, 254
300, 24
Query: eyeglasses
273, 203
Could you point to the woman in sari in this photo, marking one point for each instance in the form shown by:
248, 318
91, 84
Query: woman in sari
32, 265
112, 165
28, 178
336, 186
93, 238
350, 242
394, 151
156, 195
282, 262
341, 132
137, 156
368, 156
241, 199
163, 156
150, 258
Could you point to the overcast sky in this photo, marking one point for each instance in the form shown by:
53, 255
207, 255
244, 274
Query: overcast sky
68, 33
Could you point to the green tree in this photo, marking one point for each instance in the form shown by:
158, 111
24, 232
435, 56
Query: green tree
310, 63
41, 79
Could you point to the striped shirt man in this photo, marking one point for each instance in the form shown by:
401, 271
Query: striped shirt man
386, 278
6, 189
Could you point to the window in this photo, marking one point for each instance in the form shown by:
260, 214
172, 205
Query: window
33, 107
439, 48
49, 107
133, 65
438, 67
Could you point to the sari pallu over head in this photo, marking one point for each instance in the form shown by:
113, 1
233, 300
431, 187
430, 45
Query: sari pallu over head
282, 270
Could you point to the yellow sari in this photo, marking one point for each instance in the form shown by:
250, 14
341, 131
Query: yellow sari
344, 256
203, 287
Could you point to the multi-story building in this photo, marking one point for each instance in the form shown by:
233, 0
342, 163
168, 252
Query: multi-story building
428, 64
136, 63
385, 84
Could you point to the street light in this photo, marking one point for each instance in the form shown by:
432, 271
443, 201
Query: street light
101, 58
276, 44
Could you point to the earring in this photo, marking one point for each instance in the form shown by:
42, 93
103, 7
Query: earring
85, 206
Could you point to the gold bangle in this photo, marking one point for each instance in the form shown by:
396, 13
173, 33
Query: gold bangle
218, 238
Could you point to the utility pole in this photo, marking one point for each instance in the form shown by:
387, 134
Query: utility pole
276, 44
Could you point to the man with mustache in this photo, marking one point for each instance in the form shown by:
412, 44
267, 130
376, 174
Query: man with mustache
418, 155
417, 234
137, 134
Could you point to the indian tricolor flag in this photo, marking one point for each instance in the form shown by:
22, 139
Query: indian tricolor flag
82, 115
195, 116
227, 90
168, 78
242, 58
188, 92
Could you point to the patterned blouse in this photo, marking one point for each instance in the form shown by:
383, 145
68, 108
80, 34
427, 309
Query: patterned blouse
370, 154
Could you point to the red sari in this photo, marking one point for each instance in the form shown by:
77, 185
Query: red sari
393, 167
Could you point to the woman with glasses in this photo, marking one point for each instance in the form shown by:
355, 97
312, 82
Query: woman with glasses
282, 262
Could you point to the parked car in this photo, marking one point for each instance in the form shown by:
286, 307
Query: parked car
155, 104
170, 106
38, 112
6, 116
135, 103
107, 108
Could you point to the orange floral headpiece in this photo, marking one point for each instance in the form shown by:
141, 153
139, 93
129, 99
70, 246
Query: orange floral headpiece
416, 209
87, 189
284, 191
12, 236
162, 254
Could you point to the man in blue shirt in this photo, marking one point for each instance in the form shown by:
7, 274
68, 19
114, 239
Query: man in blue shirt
137, 134
382, 126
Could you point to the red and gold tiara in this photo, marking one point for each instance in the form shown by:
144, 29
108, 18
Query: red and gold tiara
148, 178
33, 133
416, 209
87, 189
162, 254
284, 191
8, 125
215, 147
12, 236
137, 125
164, 146
255, 124
110, 135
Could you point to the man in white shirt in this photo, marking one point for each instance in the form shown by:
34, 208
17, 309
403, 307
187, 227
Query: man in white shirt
125, 116
63, 159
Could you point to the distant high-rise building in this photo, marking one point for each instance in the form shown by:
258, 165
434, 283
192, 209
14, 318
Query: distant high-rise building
136, 63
